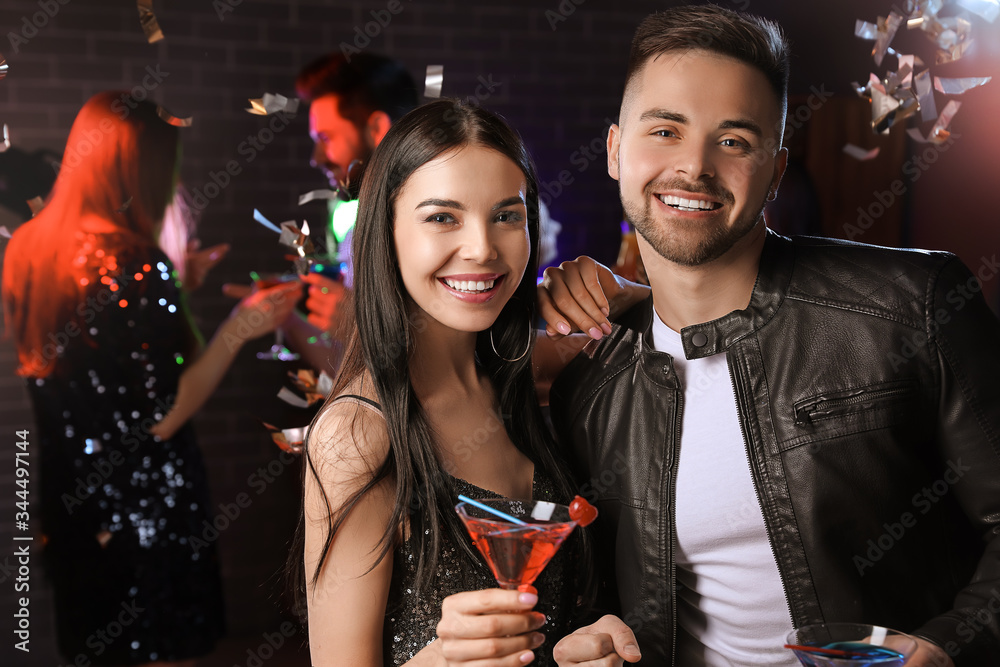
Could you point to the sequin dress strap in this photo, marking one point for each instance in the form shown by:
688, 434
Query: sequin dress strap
359, 400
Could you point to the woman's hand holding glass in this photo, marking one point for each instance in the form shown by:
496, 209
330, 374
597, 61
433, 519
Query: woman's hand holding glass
492, 625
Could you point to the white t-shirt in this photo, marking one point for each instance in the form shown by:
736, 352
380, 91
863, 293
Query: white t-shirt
731, 606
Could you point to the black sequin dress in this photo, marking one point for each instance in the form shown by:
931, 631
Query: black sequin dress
119, 509
411, 619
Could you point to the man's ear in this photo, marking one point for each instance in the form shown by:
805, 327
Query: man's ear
614, 140
376, 126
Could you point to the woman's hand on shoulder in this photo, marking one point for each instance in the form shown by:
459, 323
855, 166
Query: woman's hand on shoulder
489, 628
581, 295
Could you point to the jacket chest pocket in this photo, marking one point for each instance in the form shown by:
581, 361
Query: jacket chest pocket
837, 413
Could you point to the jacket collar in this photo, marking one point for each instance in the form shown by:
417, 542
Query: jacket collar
708, 338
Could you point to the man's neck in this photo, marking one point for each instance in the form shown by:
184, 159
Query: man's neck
688, 295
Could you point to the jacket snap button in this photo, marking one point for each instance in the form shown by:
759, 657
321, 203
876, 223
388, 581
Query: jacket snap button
699, 339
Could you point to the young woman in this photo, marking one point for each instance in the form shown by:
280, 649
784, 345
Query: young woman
115, 370
435, 398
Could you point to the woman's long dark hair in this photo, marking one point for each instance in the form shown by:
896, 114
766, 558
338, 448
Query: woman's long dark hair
383, 342
119, 165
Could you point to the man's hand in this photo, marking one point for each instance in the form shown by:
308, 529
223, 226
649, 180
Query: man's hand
581, 295
324, 299
607, 643
929, 655
197, 263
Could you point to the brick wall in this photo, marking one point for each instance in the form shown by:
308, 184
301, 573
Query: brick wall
555, 86
559, 77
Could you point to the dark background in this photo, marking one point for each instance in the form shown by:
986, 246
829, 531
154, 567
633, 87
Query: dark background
558, 83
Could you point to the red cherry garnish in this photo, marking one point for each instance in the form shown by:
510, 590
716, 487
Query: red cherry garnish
581, 511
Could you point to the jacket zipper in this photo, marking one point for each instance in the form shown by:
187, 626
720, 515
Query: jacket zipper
753, 475
674, 466
804, 413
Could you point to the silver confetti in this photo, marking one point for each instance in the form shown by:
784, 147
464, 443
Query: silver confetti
318, 194
269, 104
172, 119
433, 80
150, 26
861, 154
988, 9
959, 86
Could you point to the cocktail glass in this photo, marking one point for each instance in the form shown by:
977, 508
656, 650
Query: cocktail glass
850, 645
278, 351
517, 554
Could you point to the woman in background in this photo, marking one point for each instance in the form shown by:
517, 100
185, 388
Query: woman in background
115, 368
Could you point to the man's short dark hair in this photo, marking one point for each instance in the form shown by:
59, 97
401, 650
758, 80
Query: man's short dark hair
366, 83
754, 40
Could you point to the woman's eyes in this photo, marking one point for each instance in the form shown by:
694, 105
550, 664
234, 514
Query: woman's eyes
509, 216
440, 218
504, 217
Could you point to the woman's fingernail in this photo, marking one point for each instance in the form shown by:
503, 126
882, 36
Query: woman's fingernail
527, 598
526, 657
605, 311
537, 640
606, 328
595, 333
563, 328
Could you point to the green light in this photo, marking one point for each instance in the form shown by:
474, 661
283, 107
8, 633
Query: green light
318, 268
179, 359
311, 340
343, 218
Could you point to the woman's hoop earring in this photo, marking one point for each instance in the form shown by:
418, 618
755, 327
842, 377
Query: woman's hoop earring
526, 347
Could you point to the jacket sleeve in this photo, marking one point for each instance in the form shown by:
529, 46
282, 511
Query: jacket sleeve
964, 343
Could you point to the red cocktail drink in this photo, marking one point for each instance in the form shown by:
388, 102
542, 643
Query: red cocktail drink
515, 553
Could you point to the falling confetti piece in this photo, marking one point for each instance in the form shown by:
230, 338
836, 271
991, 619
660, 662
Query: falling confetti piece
172, 119
988, 9
269, 104
6, 140
124, 206
861, 154
147, 19
865, 30
289, 439
289, 396
36, 204
4, 232
259, 217
887, 28
433, 81
925, 96
104, 537
3, 67
939, 133
954, 86
318, 194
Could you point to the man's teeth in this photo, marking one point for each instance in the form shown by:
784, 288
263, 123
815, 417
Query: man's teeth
470, 285
687, 204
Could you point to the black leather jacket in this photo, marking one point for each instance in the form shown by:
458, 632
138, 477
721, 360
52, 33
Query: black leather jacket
868, 388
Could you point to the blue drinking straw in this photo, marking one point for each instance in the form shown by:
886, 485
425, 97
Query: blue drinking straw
495, 512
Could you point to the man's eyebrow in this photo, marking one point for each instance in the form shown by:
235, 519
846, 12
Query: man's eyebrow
444, 203
741, 124
509, 201
663, 114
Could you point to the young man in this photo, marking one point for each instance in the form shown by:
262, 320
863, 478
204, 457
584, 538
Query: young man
352, 104
790, 431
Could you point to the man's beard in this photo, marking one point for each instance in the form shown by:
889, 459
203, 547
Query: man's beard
670, 237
